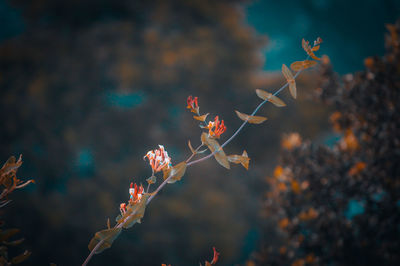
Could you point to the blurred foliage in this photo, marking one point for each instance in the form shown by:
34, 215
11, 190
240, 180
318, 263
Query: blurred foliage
9, 182
89, 86
340, 205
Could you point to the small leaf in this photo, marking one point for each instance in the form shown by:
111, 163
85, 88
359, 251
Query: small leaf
14, 243
290, 80
166, 172
134, 212
242, 159
315, 48
152, 179
213, 145
177, 172
6, 234
22, 257
25, 184
108, 223
10, 165
107, 236
309, 51
270, 97
299, 65
251, 119
191, 148
201, 118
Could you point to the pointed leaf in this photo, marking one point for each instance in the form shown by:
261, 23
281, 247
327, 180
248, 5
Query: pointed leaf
22, 257
14, 243
270, 97
152, 179
107, 236
309, 50
242, 159
166, 172
191, 148
290, 80
299, 65
134, 212
10, 165
213, 145
177, 172
315, 48
201, 118
6, 234
251, 119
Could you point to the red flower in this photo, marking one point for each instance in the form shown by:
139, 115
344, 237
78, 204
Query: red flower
158, 159
122, 208
192, 104
215, 258
136, 193
219, 128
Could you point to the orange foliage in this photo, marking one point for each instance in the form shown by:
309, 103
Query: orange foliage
291, 141
349, 141
283, 223
357, 168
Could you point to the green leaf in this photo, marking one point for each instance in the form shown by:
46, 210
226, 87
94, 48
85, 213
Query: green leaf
107, 236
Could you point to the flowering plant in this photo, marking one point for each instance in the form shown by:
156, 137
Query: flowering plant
160, 161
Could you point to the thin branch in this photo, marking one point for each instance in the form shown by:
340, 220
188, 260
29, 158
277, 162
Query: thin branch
191, 163
194, 153
244, 123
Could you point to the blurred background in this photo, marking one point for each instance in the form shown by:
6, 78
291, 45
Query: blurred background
88, 87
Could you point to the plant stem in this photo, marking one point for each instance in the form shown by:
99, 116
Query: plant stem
243, 124
195, 162
193, 154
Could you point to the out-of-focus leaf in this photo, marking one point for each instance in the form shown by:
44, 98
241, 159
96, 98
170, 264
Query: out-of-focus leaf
299, 65
308, 49
22, 257
107, 236
6, 234
177, 172
14, 243
191, 148
315, 48
201, 118
290, 80
270, 97
251, 119
10, 165
4, 203
134, 212
152, 179
242, 159
213, 145
108, 223
166, 172
26, 183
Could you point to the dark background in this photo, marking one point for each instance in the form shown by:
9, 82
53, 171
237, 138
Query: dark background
88, 87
